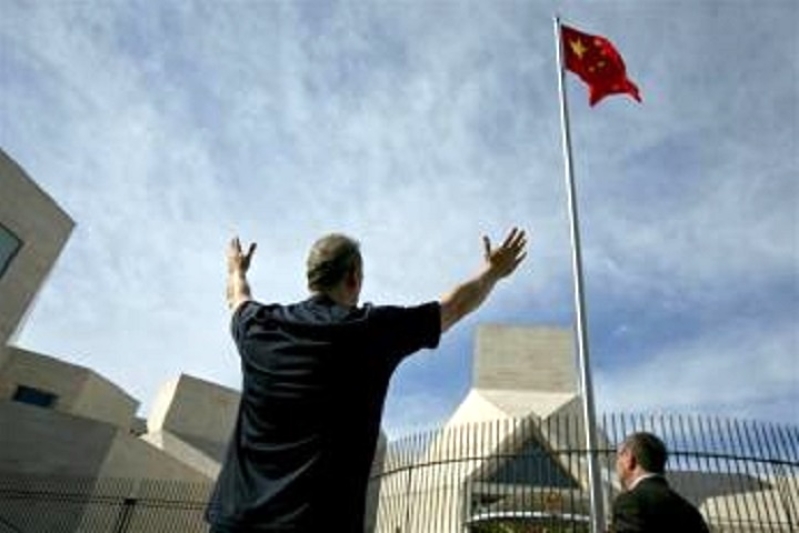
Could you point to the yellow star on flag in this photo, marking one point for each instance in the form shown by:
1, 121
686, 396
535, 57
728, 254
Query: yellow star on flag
578, 48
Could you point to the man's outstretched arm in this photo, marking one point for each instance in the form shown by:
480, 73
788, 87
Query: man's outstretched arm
498, 263
238, 289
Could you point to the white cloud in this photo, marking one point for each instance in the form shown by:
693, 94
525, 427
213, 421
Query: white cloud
745, 369
165, 132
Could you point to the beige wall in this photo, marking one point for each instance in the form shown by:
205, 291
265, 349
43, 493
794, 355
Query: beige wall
525, 358
80, 391
42, 441
187, 454
44, 228
191, 407
57, 444
23, 367
130, 457
102, 400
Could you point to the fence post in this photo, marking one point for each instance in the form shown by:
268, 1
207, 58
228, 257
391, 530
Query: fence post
125, 513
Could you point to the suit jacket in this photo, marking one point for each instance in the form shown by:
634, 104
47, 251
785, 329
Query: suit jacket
653, 507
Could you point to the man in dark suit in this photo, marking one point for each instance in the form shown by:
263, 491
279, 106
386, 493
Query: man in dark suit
647, 503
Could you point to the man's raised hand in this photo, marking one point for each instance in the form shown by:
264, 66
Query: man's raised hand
502, 261
237, 261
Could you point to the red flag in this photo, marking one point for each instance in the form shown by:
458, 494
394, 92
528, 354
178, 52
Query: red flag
598, 64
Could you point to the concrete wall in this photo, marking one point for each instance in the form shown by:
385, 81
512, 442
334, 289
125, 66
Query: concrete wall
525, 358
130, 457
46, 451
102, 400
193, 457
42, 372
191, 420
195, 410
43, 227
42, 441
47, 442
80, 391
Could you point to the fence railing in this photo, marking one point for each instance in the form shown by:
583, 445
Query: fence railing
39, 504
515, 475
530, 475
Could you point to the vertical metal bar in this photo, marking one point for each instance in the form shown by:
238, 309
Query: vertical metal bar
452, 457
460, 459
791, 479
463, 458
587, 393
502, 445
738, 514
755, 458
676, 436
434, 496
762, 459
709, 451
613, 437
421, 491
123, 519
716, 431
403, 486
575, 457
774, 502
683, 438
407, 499
746, 457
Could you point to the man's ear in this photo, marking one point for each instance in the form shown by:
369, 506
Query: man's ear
632, 463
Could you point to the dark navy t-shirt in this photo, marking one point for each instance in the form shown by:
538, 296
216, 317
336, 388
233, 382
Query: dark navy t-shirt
315, 376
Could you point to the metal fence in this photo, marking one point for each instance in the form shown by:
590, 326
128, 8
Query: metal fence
515, 475
530, 475
38, 504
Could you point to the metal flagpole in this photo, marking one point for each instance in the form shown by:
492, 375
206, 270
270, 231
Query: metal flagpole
587, 392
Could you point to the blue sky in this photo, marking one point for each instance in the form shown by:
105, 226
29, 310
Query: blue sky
165, 127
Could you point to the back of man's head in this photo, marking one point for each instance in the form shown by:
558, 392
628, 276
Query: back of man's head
648, 450
330, 260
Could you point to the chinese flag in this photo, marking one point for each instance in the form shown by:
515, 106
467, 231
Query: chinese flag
598, 64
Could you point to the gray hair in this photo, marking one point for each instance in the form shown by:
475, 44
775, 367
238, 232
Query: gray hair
649, 451
331, 258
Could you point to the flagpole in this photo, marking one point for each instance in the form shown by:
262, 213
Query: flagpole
589, 414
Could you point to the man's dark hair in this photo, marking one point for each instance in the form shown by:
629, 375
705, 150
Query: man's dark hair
649, 451
331, 258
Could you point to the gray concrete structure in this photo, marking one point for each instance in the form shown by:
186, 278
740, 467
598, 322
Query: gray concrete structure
191, 420
524, 358
34, 229
58, 418
76, 390
57, 444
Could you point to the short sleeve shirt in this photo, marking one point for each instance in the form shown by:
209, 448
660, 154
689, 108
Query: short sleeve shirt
315, 377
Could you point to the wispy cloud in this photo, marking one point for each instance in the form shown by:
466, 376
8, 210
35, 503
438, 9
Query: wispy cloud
163, 129
741, 369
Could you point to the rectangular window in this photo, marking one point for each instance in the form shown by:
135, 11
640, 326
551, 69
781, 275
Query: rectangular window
9, 246
34, 396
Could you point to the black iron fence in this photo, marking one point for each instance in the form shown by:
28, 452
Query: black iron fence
515, 475
530, 475
38, 504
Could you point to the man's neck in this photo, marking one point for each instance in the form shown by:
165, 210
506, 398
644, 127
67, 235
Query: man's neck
340, 297
639, 478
